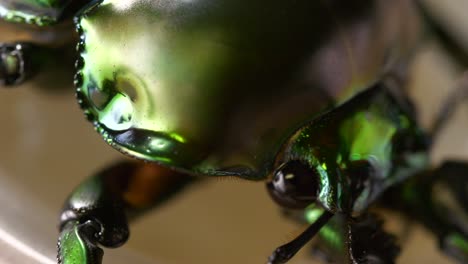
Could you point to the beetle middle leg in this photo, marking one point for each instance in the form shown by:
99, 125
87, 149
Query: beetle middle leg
97, 212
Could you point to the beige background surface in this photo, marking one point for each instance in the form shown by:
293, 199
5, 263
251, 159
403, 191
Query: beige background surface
47, 148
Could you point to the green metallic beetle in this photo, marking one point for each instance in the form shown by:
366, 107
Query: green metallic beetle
308, 96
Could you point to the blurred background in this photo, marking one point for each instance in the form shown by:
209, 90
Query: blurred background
48, 148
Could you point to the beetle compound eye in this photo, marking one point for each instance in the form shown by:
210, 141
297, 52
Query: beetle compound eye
294, 185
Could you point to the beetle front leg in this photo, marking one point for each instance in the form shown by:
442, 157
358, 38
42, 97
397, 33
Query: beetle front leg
50, 67
16, 62
97, 211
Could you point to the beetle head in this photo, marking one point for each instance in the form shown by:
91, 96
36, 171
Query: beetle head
307, 171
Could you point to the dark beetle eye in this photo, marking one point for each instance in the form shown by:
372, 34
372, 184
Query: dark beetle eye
294, 185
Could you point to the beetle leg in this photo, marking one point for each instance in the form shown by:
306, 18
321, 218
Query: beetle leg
355, 240
443, 35
285, 252
369, 243
438, 200
450, 105
97, 212
448, 202
360, 240
77, 243
16, 63
23, 61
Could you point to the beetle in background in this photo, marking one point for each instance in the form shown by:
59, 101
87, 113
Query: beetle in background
309, 96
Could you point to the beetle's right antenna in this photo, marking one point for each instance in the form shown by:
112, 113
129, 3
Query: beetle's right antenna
285, 252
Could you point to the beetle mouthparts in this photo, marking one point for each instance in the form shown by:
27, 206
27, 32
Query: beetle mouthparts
169, 149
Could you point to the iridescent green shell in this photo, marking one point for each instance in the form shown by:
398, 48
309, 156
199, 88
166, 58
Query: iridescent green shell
215, 87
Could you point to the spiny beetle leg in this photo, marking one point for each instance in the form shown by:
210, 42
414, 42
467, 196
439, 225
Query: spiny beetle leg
355, 240
97, 212
369, 243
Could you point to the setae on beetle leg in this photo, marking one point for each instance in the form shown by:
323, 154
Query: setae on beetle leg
368, 242
97, 212
353, 240
438, 199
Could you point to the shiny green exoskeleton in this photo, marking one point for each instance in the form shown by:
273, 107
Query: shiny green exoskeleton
215, 87
306, 95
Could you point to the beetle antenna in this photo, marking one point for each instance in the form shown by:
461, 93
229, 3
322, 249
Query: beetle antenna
285, 252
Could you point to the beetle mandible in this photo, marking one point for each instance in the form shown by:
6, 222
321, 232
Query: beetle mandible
306, 96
